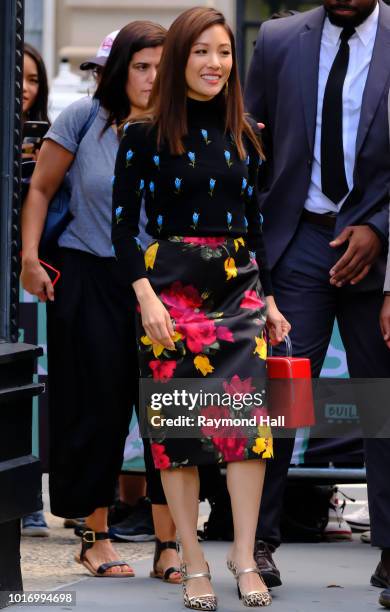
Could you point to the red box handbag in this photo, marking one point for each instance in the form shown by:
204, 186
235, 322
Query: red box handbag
290, 392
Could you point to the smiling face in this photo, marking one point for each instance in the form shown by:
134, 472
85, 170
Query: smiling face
30, 82
209, 64
141, 74
344, 13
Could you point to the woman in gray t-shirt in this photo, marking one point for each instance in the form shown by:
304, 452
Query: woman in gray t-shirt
93, 371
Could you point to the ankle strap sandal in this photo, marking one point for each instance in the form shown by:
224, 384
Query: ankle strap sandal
88, 539
160, 574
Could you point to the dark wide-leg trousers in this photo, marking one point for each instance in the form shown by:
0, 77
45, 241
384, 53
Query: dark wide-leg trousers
306, 298
93, 378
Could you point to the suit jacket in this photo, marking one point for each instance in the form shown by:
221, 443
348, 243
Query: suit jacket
281, 92
387, 279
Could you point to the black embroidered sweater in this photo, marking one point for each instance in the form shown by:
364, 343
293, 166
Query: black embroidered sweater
207, 191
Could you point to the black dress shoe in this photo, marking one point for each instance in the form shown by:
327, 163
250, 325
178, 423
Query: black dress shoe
266, 564
381, 577
384, 598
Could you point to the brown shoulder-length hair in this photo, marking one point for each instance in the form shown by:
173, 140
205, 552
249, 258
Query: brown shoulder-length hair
167, 104
111, 91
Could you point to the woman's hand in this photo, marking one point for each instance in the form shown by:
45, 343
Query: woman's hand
36, 281
385, 320
277, 325
155, 317
157, 322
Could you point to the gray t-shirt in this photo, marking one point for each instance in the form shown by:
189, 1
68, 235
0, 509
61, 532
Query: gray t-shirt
91, 176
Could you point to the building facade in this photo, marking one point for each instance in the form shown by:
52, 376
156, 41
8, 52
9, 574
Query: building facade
73, 29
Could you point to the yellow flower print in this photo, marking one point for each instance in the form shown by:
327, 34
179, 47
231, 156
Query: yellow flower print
264, 448
230, 268
159, 348
202, 363
150, 255
238, 241
261, 348
263, 431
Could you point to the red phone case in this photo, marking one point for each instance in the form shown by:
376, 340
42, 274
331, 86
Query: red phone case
50, 267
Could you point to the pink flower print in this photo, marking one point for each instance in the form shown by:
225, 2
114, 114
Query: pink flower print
251, 300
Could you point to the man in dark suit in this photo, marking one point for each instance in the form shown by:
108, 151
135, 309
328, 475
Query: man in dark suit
319, 82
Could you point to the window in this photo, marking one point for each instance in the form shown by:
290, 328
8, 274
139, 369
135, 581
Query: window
250, 15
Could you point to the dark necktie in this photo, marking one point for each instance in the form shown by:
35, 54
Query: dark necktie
333, 178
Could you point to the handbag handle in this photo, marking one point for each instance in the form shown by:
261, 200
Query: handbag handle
288, 344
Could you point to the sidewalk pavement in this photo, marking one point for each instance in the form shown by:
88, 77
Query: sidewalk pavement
48, 563
327, 577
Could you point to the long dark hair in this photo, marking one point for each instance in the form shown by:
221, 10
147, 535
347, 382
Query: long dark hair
111, 91
38, 111
169, 93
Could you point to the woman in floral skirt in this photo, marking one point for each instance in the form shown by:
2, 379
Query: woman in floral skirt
203, 286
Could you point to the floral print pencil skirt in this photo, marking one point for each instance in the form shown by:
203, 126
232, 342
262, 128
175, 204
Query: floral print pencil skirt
211, 289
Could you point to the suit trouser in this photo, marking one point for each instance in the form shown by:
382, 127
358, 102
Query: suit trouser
306, 298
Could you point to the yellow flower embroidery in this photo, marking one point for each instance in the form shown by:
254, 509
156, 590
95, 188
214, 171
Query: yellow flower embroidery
261, 348
264, 448
230, 268
202, 363
238, 241
150, 255
159, 348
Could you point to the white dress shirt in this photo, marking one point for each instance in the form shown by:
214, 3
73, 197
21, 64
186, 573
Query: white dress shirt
361, 45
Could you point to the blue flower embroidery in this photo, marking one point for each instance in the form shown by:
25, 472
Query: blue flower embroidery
247, 160
129, 157
229, 220
243, 185
195, 219
245, 222
250, 191
112, 180
156, 159
125, 127
205, 136
178, 185
260, 161
141, 187
261, 218
118, 212
159, 222
227, 158
212, 185
191, 157
151, 188
138, 241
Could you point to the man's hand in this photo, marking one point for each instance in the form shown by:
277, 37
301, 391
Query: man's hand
385, 320
364, 247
